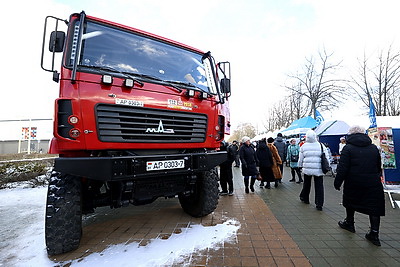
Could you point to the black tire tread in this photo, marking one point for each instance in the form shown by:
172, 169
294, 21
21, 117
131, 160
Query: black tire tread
205, 198
63, 222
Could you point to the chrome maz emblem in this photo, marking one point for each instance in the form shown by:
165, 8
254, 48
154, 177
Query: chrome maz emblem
160, 129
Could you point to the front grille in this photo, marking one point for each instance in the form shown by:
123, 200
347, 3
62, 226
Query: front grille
116, 123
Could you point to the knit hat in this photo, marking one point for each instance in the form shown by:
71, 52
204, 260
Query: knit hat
245, 139
270, 140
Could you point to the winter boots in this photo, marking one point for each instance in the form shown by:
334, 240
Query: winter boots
246, 184
373, 237
252, 182
346, 225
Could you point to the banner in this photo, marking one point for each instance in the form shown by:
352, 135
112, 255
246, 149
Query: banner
372, 116
318, 117
382, 137
29, 133
33, 133
25, 133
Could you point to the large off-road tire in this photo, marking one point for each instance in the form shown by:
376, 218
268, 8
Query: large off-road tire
63, 222
204, 199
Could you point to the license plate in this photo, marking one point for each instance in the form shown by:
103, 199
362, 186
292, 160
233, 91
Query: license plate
165, 164
129, 102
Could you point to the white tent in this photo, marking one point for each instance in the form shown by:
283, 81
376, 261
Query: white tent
295, 131
261, 136
388, 121
334, 127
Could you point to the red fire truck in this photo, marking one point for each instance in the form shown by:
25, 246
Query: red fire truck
138, 117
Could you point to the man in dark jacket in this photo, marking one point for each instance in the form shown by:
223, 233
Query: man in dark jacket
225, 170
235, 149
249, 161
282, 148
360, 170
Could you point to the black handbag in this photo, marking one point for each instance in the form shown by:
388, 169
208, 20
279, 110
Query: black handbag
324, 161
294, 158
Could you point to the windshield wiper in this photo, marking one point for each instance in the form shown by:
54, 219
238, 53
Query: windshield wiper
154, 78
187, 84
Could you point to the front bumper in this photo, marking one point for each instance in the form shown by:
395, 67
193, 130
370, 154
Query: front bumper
134, 167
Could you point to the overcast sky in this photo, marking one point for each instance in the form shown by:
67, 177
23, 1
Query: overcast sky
265, 40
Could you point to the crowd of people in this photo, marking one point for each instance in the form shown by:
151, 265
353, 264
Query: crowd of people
359, 171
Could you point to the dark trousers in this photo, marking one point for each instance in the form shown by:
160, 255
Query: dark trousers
374, 220
297, 170
226, 177
237, 161
319, 189
252, 181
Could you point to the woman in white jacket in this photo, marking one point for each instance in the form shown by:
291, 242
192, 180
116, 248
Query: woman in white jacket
310, 162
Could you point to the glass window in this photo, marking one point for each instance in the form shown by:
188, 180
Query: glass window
132, 53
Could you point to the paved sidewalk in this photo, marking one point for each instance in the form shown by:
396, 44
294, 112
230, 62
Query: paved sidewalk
318, 235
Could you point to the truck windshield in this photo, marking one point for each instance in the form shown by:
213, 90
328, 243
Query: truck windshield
128, 52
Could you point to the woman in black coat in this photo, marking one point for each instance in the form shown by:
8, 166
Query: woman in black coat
360, 169
249, 161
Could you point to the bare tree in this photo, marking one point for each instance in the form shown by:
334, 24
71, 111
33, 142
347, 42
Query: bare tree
278, 117
298, 105
284, 112
317, 84
381, 82
243, 129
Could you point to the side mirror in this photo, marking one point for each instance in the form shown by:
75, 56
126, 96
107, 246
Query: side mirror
56, 43
225, 86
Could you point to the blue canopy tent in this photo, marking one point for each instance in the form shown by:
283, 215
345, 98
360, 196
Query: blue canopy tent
299, 127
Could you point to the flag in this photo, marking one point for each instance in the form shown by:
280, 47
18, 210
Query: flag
318, 117
372, 116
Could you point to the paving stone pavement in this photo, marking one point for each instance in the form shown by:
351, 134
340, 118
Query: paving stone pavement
276, 230
318, 235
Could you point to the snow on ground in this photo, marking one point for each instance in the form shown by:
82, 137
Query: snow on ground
22, 237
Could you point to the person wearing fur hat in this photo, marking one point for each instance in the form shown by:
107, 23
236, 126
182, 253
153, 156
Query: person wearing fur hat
249, 161
310, 161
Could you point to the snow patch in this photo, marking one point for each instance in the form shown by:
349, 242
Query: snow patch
22, 237
161, 252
